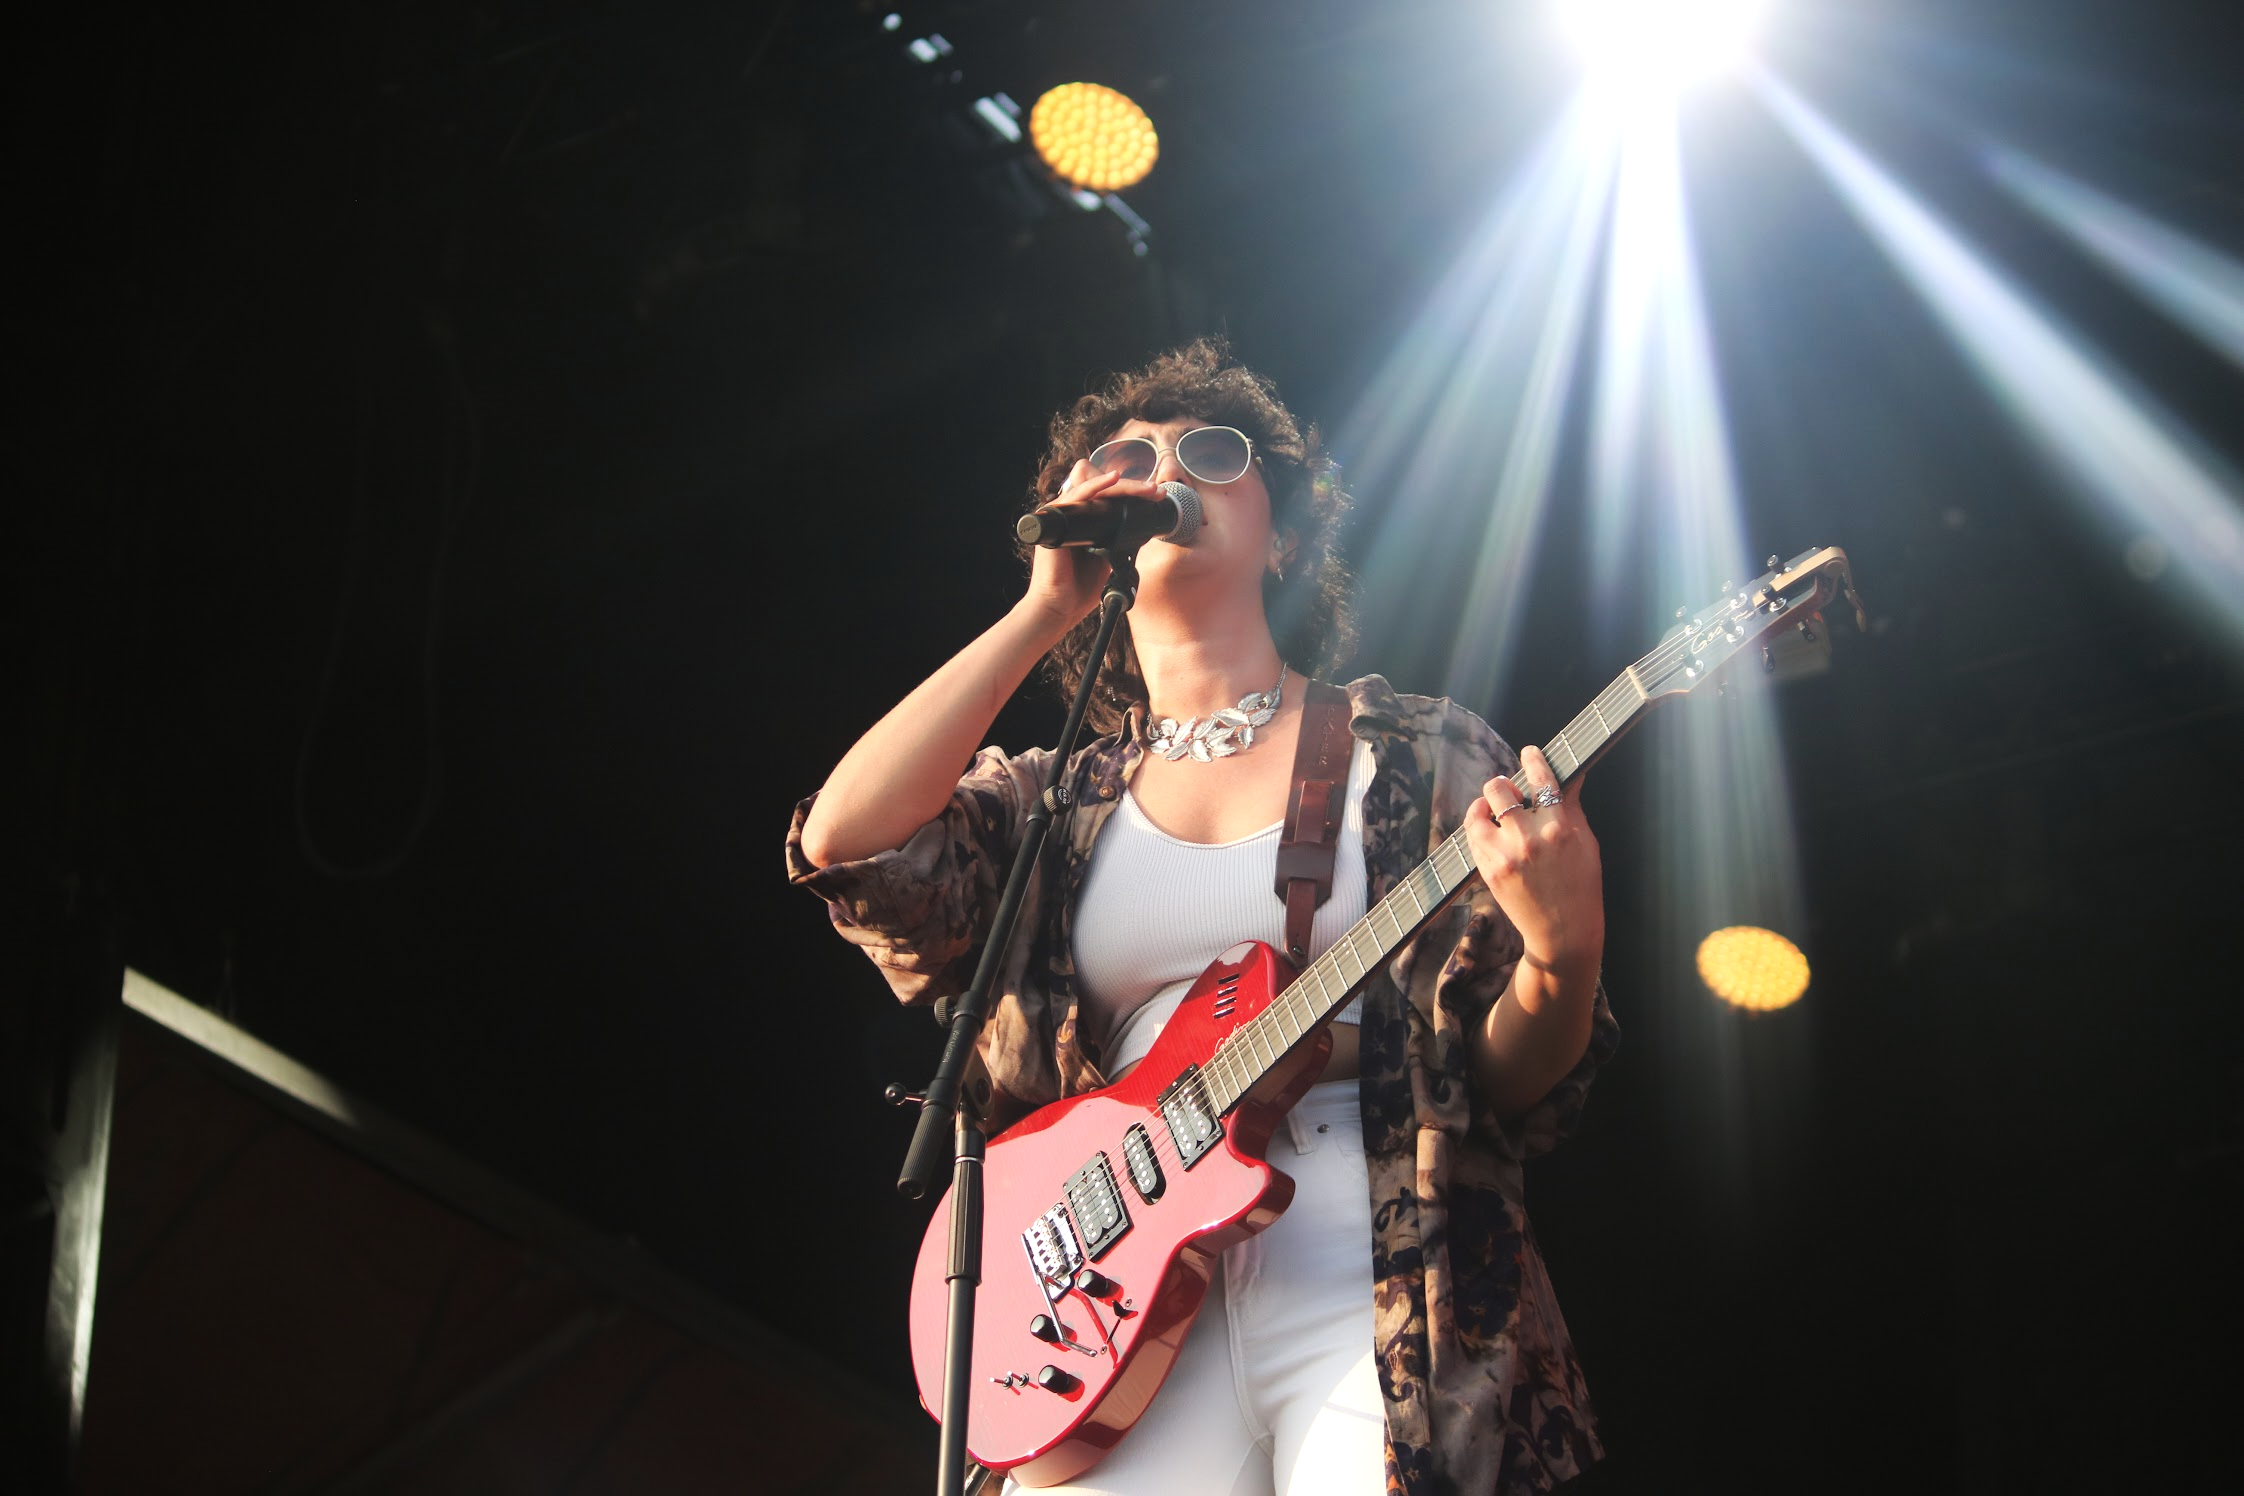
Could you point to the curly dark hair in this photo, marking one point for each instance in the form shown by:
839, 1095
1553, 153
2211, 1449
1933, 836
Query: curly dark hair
1202, 381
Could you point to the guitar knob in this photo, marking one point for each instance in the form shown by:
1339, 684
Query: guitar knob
1095, 1283
1043, 1327
1052, 1379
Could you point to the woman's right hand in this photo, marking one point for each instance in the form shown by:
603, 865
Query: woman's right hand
902, 772
1065, 581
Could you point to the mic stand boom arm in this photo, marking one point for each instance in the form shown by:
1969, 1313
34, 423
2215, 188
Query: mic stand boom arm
944, 1109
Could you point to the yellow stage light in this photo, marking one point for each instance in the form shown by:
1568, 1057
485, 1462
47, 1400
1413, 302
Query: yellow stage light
1753, 968
1093, 137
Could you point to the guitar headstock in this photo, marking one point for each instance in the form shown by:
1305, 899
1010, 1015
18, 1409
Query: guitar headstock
1779, 615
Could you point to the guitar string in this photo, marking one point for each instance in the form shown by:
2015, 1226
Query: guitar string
1220, 1067
1657, 662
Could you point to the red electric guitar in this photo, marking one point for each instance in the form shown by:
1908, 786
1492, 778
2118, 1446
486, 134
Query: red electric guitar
1104, 1213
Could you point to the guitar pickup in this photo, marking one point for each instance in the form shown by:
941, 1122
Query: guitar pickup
1144, 1167
1193, 1124
1095, 1200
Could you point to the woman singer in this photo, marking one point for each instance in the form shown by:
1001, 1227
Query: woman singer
1395, 1329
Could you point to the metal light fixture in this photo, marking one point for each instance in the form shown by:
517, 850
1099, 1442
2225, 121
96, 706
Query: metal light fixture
1748, 967
1093, 137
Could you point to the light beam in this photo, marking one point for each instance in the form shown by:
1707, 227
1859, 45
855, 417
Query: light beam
1459, 431
2193, 283
2140, 473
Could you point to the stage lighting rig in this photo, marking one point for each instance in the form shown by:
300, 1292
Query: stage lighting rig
1660, 44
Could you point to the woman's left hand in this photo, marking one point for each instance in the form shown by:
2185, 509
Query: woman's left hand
1542, 865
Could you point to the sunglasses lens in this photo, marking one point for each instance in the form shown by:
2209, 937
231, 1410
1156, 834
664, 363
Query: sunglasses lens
1133, 457
1214, 454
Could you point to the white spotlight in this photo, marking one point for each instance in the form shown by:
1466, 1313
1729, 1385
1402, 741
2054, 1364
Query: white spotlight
1660, 43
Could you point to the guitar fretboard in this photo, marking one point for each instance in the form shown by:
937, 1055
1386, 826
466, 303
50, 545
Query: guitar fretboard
1328, 982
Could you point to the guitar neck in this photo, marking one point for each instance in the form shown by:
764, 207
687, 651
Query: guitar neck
1327, 984
1782, 608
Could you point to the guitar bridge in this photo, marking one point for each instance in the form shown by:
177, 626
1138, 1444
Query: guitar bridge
1053, 1251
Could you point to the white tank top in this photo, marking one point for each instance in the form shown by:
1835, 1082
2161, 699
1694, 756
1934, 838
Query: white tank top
1154, 911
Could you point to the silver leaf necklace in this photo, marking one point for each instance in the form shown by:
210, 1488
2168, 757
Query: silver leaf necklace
1222, 732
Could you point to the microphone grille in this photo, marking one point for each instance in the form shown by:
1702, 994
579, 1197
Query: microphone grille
1187, 500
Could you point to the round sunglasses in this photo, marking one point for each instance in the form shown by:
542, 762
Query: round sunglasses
1212, 454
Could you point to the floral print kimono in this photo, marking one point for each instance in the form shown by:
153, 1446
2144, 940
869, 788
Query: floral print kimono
1483, 1391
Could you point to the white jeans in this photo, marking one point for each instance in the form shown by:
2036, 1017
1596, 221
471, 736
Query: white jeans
1275, 1392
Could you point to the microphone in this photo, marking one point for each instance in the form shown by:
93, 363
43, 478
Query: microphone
1174, 517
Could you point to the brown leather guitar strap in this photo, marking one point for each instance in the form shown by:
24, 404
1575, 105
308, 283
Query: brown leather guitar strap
1314, 807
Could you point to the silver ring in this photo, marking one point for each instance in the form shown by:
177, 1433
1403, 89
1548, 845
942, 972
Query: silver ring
1498, 819
1546, 796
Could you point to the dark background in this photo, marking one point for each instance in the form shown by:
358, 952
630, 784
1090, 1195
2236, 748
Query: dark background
491, 460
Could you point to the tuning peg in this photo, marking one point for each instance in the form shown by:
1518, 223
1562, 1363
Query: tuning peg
1771, 564
1679, 612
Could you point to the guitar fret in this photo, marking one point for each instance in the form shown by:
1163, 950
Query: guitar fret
1563, 743
1444, 867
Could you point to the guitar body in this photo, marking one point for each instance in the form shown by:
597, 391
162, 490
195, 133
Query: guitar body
1045, 1191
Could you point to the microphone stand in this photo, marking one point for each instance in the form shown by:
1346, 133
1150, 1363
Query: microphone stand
943, 1109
